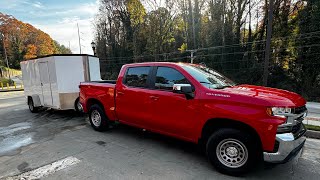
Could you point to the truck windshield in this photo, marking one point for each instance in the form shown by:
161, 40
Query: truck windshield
208, 77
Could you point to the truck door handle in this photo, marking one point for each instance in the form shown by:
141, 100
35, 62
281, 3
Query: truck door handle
120, 93
41, 84
154, 98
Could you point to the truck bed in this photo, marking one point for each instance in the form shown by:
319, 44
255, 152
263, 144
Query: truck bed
99, 91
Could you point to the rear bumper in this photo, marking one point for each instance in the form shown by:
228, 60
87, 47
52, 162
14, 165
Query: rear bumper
289, 147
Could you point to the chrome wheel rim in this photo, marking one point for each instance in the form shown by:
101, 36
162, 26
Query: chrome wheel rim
232, 153
96, 118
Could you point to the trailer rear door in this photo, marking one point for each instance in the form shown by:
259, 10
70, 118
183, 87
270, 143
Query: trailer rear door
45, 84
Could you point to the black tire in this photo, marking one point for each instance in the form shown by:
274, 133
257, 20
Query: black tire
76, 106
96, 112
232, 151
31, 106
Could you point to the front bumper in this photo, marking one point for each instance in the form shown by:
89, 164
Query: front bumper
289, 146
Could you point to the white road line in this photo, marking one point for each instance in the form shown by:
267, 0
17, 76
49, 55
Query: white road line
47, 169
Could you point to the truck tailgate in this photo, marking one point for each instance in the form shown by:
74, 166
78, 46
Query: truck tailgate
102, 93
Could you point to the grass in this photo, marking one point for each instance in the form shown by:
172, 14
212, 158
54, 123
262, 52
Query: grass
312, 127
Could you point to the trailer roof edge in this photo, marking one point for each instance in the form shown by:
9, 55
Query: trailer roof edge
38, 57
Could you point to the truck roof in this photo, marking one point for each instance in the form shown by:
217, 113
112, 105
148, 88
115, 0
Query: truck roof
156, 63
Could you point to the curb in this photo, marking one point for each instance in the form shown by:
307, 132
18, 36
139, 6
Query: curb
313, 134
10, 90
312, 119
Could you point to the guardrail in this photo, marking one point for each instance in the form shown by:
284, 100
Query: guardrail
7, 87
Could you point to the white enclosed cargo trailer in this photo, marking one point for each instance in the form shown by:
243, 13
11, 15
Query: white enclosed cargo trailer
53, 81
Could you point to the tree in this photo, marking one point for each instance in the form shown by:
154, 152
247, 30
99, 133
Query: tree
60, 49
22, 41
137, 14
159, 31
31, 51
308, 61
228, 35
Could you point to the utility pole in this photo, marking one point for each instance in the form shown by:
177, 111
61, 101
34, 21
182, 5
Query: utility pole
223, 30
79, 37
268, 44
192, 55
193, 28
5, 54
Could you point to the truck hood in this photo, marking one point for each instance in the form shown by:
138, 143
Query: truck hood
274, 97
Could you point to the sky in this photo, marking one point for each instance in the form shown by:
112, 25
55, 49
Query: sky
58, 18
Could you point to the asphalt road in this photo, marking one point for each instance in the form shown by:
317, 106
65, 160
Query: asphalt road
62, 145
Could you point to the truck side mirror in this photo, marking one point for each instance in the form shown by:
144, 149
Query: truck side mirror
184, 89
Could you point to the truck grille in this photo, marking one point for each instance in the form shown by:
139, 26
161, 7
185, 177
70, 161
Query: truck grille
299, 110
298, 130
294, 122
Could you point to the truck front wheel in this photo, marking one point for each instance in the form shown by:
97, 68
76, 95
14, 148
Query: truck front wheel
98, 119
232, 151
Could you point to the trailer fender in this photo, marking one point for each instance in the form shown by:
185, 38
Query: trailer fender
36, 100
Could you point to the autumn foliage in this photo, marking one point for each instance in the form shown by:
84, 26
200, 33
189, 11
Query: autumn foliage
23, 41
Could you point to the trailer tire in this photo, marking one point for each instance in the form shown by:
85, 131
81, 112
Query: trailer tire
98, 119
32, 108
77, 106
232, 151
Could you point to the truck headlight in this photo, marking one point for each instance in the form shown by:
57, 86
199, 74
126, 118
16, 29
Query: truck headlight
279, 111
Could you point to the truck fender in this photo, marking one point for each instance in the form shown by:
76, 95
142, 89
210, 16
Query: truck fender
36, 100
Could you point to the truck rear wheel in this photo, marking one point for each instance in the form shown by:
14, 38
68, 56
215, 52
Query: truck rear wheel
98, 119
32, 108
232, 151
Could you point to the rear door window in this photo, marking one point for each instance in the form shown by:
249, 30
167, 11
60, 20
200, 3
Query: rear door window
137, 76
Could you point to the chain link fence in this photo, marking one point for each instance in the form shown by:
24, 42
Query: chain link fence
294, 63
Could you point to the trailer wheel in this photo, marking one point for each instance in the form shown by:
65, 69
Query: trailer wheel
98, 119
232, 151
78, 106
31, 106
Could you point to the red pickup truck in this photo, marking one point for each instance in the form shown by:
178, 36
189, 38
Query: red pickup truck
237, 124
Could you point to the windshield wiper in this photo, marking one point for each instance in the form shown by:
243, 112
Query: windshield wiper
222, 87
203, 82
